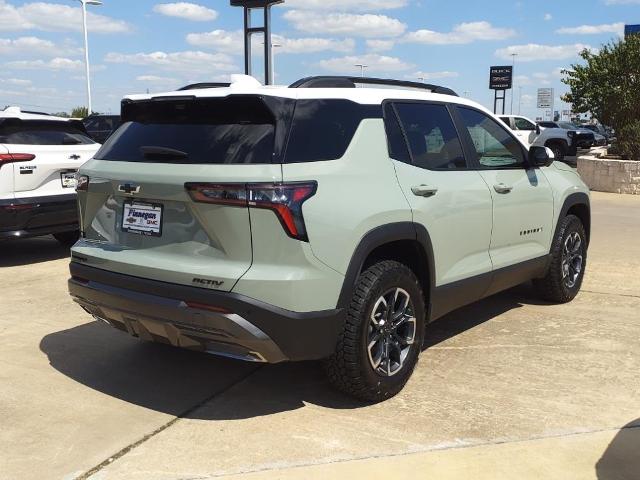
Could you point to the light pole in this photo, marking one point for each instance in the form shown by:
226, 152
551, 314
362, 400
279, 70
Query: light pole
86, 48
514, 55
362, 67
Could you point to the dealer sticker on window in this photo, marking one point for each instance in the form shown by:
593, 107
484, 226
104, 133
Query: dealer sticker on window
142, 219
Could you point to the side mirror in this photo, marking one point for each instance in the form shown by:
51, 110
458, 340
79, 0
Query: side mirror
540, 156
538, 131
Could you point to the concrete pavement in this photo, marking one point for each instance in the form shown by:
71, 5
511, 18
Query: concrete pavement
507, 388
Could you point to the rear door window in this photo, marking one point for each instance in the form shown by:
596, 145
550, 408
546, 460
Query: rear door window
232, 130
431, 135
37, 132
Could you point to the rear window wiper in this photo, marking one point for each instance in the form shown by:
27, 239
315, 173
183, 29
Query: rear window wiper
155, 152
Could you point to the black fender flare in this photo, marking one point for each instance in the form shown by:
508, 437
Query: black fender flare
378, 237
576, 198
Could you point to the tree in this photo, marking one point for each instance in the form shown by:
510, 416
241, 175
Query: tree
80, 112
608, 85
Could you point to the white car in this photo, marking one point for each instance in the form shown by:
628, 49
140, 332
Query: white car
561, 141
39, 157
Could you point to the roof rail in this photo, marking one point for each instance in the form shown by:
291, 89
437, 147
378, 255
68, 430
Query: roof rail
198, 86
351, 82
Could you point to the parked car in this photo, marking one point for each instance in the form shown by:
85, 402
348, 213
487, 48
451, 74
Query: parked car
39, 157
319, 221
101, 127
583, 138
562, 142
602, 137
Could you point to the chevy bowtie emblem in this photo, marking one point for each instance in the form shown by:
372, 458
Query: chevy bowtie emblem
129, 188
74, 157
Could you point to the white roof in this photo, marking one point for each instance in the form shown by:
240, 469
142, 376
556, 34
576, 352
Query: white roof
367, 95
16, 112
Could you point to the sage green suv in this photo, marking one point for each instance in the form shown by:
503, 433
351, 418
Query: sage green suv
318, 221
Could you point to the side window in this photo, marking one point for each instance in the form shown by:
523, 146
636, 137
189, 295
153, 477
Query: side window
395, 137
524, 124
323, 129
495, 147
432, 136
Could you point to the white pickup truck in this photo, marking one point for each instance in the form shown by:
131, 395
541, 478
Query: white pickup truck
562, 142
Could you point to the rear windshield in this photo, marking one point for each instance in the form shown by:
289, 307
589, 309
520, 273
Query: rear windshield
37, 132
234, 130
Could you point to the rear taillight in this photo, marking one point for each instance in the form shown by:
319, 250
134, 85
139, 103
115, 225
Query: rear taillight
284, 199
82, 184
15, 157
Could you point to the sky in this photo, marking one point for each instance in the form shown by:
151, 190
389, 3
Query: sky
146, 45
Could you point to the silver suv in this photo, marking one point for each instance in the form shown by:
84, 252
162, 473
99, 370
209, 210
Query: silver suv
318, 221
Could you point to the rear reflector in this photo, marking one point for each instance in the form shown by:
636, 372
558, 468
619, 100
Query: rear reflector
284, 199
6, 158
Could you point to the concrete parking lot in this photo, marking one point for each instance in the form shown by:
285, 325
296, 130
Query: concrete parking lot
506, 388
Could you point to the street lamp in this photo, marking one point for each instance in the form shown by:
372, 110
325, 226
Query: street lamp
362, 67
514, 55
86, 48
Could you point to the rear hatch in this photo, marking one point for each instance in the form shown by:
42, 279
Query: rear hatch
47, 155
139, 207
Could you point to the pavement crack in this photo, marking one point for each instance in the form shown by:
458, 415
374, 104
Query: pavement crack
627, 295
86, 475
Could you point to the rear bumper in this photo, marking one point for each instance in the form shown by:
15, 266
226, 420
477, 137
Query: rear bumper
242, 327
36, 216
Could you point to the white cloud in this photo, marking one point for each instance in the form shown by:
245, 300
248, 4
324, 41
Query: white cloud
461, 34
548, 17
187, 61
55, 17
186, 11
617, 28
155, 79
366, 25
622, 2
233, 43
18, 82
54, 64
347, 5
380, 45
533, 52
374, 62
432, 75
29, 46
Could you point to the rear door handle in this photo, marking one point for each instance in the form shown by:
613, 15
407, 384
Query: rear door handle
424, 191
502, 188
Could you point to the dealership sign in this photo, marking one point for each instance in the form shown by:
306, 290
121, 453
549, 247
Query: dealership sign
545, 98
501, 78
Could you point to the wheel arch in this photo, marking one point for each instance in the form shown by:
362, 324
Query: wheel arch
577, 204
406, 242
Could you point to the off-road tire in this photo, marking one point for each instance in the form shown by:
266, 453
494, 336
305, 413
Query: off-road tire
553, 287
349, 368
67, 239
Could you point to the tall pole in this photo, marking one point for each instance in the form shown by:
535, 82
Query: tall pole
86, 57
514, 55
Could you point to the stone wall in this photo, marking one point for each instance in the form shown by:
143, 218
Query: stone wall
613, 176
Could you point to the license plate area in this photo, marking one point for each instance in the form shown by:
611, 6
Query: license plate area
142, 218
69, 179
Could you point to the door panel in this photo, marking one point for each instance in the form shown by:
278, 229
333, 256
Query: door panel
522, 197
457, 217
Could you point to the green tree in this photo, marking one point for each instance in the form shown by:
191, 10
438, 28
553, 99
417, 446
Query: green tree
79, 112
608, 86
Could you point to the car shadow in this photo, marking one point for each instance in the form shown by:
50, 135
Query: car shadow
173, 381
29, 251
621, 459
